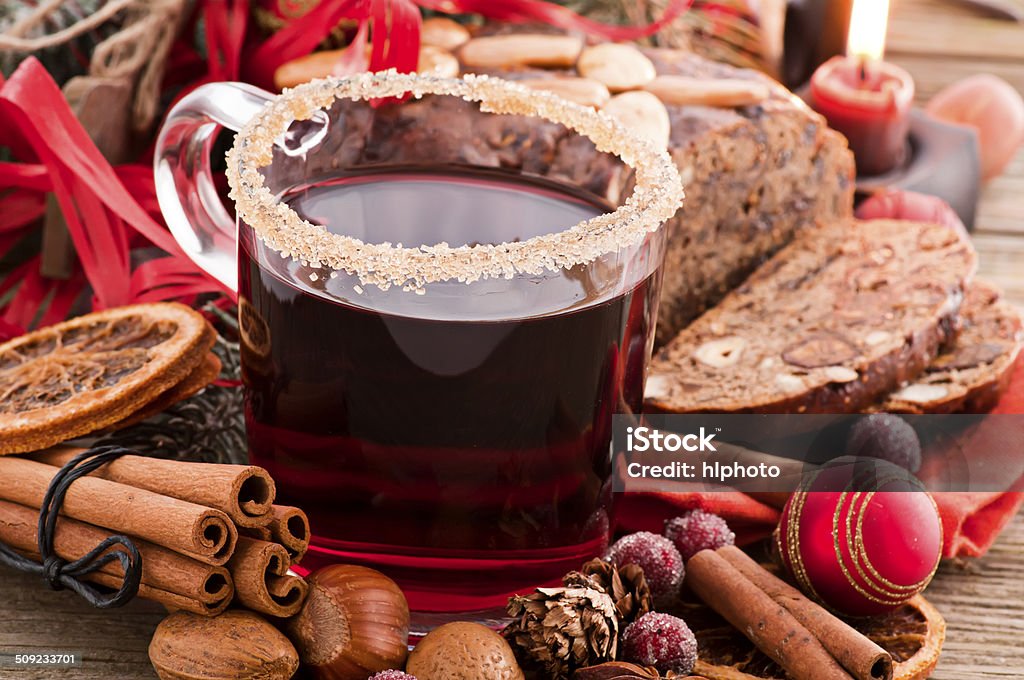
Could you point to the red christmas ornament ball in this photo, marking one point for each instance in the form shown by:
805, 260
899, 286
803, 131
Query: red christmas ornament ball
861, 545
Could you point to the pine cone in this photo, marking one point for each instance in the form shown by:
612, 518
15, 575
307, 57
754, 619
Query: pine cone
564, 629
626, 585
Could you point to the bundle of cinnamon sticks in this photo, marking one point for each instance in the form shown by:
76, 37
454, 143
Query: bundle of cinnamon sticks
209, 534
806, 640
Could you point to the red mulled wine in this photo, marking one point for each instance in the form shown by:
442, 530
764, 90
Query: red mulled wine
455, 437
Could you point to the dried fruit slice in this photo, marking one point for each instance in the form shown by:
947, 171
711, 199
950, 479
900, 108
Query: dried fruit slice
82, 375
200, 377
913, 634
254, 330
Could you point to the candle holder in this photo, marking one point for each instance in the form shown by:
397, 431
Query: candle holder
941, 160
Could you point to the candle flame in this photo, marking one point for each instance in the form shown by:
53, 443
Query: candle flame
868, 23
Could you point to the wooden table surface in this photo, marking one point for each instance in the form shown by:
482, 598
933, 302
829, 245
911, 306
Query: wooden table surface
938, 41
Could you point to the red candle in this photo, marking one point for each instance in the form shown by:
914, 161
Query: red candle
865, 98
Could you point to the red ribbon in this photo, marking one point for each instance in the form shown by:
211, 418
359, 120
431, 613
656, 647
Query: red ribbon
104, 219
398, 44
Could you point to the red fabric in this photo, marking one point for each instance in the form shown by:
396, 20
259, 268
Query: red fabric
971, 522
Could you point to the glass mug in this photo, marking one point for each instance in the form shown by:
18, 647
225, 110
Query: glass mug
431, 352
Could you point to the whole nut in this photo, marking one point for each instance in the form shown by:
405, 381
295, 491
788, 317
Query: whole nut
877, 338
354, 623
920, 393
643, 113
233, 646
841, 374
620, 67
437, 61
657, 387
463, 651
582, 91
521, 49
789, 383
721, 353
725, 92
443, 32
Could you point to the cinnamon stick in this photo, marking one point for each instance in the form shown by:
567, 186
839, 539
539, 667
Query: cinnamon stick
171, 601
855, 652
259, 533
168, 599
244, 492
208, 587
203, 533
290, 528
262, 582
767, 624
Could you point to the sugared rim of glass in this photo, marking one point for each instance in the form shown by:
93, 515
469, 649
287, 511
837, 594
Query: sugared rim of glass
656, 196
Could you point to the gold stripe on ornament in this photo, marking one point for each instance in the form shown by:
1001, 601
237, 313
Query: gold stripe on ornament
855, 545
861, 551
897, 590
839, 552
793, 535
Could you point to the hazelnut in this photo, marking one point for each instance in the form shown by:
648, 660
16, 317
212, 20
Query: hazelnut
841, 374
877, 338
463, 651
657, 387
920, 393
233, 646
721, 353
354, 623
789, 383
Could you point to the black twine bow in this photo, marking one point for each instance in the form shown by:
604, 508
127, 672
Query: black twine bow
60, 573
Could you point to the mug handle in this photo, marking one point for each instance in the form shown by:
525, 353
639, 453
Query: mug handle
188, 198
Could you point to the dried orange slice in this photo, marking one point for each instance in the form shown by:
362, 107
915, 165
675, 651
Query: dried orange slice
82, 375
199, 378
913, 634
253, 329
